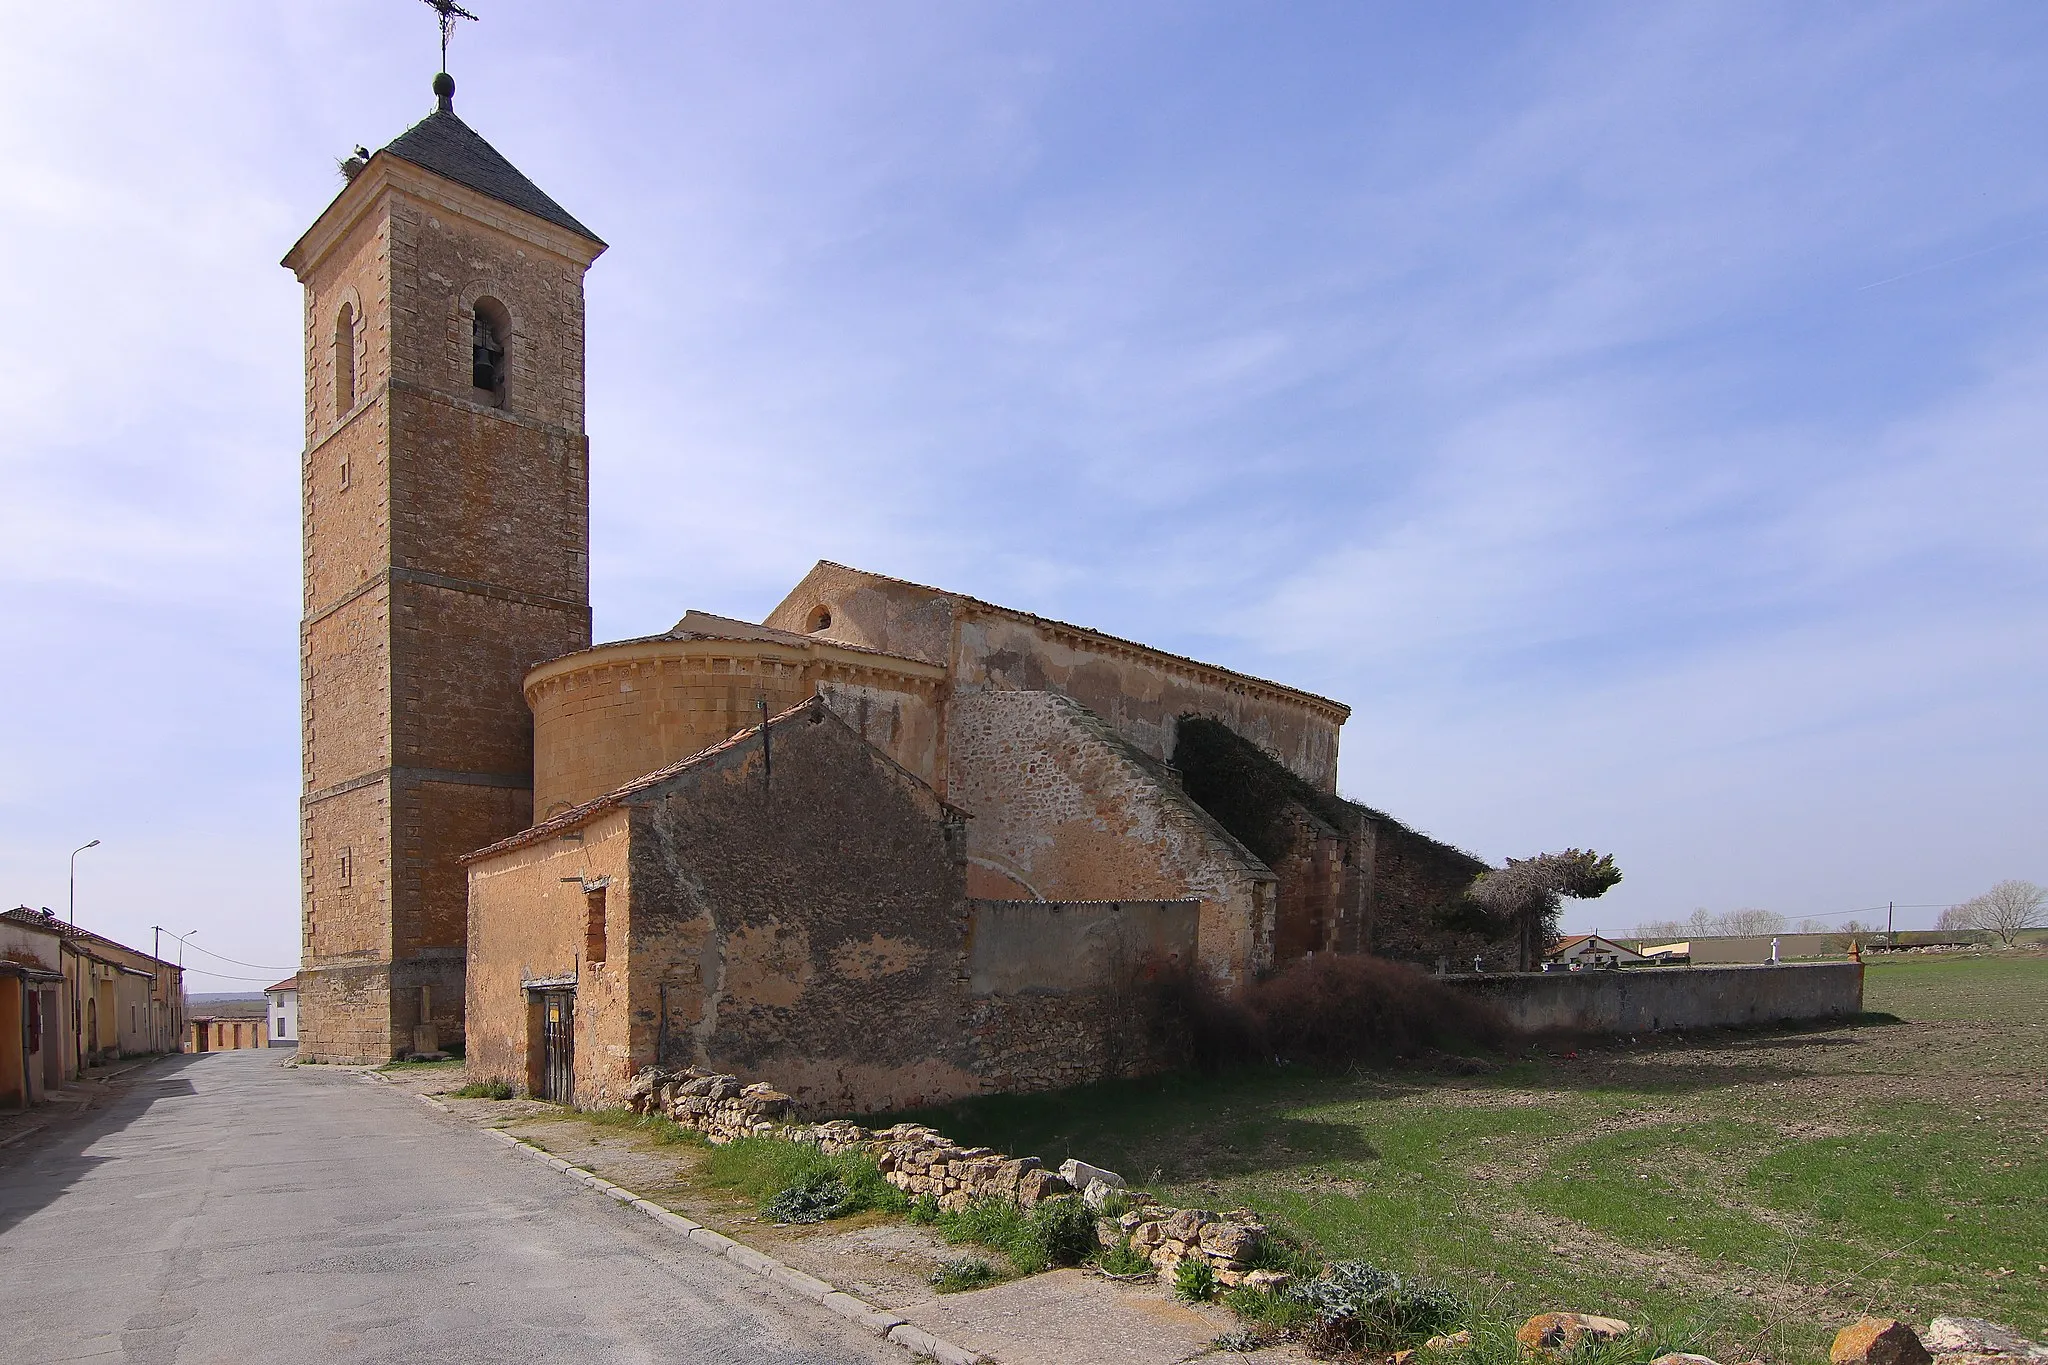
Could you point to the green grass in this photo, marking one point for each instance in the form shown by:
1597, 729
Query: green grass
486, 1090
657, 1126
1997, 988
1057, 1232
1901, 1167
428, 1068
762, 1168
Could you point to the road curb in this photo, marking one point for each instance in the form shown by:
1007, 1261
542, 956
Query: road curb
891, 1327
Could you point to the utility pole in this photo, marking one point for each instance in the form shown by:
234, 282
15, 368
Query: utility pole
1888, 924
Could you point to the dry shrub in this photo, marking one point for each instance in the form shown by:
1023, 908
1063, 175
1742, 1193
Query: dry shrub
1329, 1009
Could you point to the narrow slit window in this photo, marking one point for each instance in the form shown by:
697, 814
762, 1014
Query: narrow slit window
344, 361
593, 924
345, 867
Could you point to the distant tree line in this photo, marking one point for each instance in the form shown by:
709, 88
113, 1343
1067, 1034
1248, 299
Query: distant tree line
2005, 911
1705, 924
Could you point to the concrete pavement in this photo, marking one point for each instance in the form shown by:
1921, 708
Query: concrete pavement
228, 1209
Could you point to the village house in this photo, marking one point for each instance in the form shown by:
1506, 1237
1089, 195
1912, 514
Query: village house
506, 829
283, 1002
1590, 950
106, 1001
226, 1033
33, 1000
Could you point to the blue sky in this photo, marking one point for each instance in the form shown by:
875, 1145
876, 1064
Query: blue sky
1636, 413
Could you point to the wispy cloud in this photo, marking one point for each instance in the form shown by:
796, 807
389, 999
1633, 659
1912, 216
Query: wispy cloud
1511, 374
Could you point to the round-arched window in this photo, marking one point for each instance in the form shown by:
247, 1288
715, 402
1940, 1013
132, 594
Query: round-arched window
821, 619
490, 330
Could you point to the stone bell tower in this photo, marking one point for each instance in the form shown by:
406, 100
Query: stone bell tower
447, 530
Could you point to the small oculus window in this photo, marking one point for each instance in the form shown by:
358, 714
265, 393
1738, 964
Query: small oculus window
821, 619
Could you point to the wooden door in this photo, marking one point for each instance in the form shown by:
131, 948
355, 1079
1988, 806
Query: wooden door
558, 1047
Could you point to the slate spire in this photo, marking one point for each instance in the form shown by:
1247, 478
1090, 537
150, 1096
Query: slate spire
445, 145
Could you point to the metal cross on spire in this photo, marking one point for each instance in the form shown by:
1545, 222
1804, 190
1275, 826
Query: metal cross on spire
447, 12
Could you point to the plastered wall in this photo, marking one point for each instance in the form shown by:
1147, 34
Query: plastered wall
530, 923
1650, 999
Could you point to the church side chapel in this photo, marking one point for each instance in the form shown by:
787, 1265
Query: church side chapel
891, 845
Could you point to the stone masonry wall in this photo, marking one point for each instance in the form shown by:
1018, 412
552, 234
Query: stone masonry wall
924, 1164
800, 911
1065, 809
446, 552
1054, 988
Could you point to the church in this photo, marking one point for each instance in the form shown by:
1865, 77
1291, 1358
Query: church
890, 845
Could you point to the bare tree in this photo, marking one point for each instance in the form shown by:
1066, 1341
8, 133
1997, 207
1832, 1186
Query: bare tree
2006, 909
1660, 930
1528, 893
1752, 922
1702, 923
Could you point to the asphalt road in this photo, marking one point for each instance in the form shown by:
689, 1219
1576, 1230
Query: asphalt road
226, 1209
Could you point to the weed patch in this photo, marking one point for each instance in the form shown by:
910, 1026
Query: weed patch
486, 1090
657, 1126
787, 1176
1123, 1259
954, 1277
1194, 1280
1356, 1306
1056, 1233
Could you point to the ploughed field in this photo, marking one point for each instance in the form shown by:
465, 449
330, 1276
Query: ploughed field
1747, 1192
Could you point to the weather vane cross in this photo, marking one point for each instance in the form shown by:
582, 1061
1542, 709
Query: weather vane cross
447, 12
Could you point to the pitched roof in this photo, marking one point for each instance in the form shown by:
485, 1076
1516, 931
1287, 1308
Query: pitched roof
290, 983
1565, 945
445, 145
1119, 641
49, 923
42, 920
618, 796
702, 625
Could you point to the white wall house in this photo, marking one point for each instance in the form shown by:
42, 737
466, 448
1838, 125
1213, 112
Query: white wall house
1590, 950
284, 1012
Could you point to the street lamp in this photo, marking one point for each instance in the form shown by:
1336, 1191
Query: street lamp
74, 878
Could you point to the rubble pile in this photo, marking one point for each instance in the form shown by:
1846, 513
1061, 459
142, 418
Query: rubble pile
720, 1107
1228, 1242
